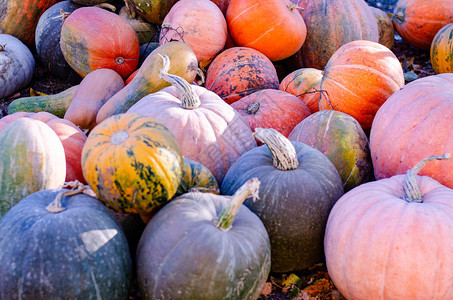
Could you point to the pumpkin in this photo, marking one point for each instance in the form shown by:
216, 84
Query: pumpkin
17, 65
222, 4
69, 251
146, 31
404, 131
271, 108
19, 18
305, 84
206, 128
94, 38
239, 71
196, 177
333, 23
198, 23
278, 29
204, 246
47, 40
70, 136
418, 21
341, 138
385, 26
393, 238
441, 50
299, 186
147, 80
153, 11
359, 78
132, 163
32, 160
94, 90
89, 2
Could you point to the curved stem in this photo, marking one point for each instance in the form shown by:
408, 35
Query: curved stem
399, 15
226, 216
410, 184
106, 6
189, 99
282, 150
76, 188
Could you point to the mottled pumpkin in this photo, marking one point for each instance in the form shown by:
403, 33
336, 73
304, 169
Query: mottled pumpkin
132, 163
196, 177
239, 71
441, 51
154, 11
385, 26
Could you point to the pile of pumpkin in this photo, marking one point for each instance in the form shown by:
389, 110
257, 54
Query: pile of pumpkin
195, 167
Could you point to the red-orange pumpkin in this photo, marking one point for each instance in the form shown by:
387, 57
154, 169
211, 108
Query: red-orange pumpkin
70, 136
333, 23
304, 83
273, 27
359, 78
93, 38
413, 123
239, 71
384, 242
198, 23
272, 109
418, 21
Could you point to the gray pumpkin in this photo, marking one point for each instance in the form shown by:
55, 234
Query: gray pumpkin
299, 186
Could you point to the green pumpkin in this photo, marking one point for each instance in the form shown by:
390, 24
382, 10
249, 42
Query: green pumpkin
196, 176
154, 11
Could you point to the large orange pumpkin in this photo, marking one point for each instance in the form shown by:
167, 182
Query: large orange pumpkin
413, 123
418, 21
93, 38
239, 71
383, 241
358, 79
198, 23
273, 27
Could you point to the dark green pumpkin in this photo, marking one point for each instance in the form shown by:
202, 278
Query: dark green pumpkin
196, 176
294, 199
78, 253
198, 247
47, 40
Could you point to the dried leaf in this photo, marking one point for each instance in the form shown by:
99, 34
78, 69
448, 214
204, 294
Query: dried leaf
267, 289
34, 93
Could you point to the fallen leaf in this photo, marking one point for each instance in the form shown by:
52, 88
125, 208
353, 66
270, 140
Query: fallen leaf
267, 289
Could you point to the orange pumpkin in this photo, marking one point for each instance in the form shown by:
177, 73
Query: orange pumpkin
418, 21
93, 38
304, 83
359, 78
239, 71
442, 50
273, 27
70, 136
198, 23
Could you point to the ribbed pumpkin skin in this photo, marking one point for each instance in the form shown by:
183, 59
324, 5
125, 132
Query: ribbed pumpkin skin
441, 51
378, 246
359, 78
197, 176
341, 138
333, 23
293, 204
183, 63
273, 27
19, 17
198, 23
385, 26
70, 136
94, 38
154, 11
132, 163
17, 65
414, 123
47, 40
239, 71
418, 21
32, 160
183, 255
213, 134
305, 84
79, 253
270, 108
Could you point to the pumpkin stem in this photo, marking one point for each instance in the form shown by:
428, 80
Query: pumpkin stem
63, 15
189, 99
282, 150
410, 184
2, 47
201, 74
130, 9
399, 15
226, 216
76, 187
106, 6
294, 6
